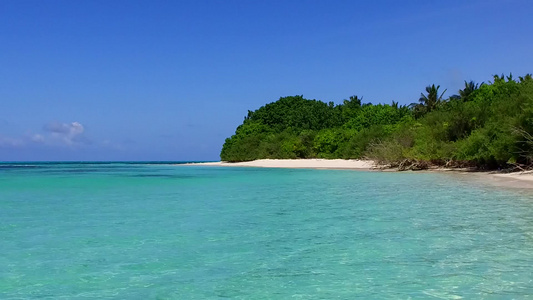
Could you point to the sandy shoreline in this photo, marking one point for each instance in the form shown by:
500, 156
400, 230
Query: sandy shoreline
516, 179
522, 180
299, 164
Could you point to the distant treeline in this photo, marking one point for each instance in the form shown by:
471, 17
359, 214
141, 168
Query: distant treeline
487, 125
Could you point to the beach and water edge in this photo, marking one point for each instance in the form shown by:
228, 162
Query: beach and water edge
520, 180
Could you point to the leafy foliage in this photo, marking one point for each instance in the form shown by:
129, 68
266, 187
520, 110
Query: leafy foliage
486, 125
469, 88
297, 113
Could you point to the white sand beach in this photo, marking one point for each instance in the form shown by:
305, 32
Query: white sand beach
301, 164
523, 176
513, 180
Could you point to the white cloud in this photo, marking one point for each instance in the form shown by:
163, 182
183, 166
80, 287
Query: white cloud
59, 134
37, 138
66, 133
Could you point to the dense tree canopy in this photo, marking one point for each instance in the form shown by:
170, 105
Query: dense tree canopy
486, 125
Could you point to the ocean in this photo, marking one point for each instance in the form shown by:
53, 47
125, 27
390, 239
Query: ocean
164, 231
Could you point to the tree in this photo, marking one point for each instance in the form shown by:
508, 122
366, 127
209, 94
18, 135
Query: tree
488, 126
353, 103
525, 78
432, 99
427, 103
350, 108
469, 88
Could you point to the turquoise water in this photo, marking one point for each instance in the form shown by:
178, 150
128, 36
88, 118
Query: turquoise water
143, 231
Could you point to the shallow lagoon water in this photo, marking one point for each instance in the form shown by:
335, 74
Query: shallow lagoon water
156, 231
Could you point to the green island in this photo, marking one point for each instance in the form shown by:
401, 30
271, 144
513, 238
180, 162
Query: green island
484, 126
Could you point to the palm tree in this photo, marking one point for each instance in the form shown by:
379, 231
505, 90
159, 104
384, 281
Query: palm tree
430, 101
353, 103
525, 78
469, 88
499, 78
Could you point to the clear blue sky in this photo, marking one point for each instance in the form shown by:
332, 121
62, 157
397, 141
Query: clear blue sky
170, 80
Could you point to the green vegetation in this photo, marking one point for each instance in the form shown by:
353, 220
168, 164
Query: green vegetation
486, 126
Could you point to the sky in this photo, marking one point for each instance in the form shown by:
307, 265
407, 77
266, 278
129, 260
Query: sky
171, 80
